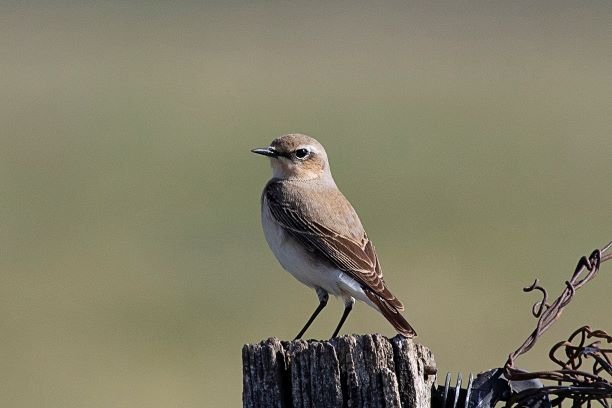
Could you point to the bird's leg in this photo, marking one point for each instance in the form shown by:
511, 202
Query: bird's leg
348, 306
323, 298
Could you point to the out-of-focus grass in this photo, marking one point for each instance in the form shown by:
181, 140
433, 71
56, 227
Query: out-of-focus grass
474, 140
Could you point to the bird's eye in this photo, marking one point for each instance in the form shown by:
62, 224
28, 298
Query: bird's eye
301, 153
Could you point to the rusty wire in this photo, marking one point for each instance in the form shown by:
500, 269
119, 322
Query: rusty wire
581, 387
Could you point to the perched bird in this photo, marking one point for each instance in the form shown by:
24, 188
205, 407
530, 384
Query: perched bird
316, 235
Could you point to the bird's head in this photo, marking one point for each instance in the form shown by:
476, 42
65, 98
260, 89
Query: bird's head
296, 156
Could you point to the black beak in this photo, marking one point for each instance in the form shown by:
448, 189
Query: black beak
266, 151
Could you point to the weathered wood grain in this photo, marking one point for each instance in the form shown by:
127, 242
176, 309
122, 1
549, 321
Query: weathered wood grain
349, 371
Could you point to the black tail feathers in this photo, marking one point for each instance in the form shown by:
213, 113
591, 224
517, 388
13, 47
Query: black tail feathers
392, 315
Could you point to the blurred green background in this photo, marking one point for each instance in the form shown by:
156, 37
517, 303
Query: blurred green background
474, 139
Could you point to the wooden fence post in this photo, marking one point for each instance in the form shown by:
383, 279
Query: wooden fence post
349, 371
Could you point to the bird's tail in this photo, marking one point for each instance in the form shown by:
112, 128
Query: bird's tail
392, 315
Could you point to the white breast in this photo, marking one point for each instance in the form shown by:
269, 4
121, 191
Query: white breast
304, 265
290, 253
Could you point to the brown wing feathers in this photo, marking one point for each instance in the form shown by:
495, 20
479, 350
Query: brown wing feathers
358, 259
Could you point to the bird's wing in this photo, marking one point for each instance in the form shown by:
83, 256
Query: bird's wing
345, 245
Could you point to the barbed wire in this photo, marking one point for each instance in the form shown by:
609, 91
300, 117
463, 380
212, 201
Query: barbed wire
572, 383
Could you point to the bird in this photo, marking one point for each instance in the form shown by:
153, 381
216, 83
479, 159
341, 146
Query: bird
316, 235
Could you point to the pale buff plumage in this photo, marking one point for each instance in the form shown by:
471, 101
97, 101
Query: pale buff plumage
316, 235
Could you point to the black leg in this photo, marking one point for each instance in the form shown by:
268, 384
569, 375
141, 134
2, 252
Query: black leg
323, 298
348, 306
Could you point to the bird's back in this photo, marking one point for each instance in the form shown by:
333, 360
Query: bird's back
319, 204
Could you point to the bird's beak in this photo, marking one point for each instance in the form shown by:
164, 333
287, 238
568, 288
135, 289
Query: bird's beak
266, 151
